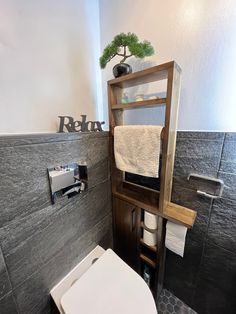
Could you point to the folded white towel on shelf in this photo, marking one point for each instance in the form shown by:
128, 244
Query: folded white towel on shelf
175, 238
137, 149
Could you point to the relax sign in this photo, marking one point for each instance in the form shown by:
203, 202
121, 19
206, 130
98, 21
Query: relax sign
68, 123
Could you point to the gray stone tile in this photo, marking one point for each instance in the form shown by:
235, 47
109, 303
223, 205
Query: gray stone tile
198, 166
215, 290
204, 166
181, 273
229, 151
228, 162
198, 156
28, 243
54, 270
228, 167
213, 300
218, 268
7, 305
24, 187
212, 291
29, 139
202, 205
222, 227
230, 185
200, 135
97, 149
230, 136
199, 148
98, 173
5, 285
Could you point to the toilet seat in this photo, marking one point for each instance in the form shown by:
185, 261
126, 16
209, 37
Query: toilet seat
109, 286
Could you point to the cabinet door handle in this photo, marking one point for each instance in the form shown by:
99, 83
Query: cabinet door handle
133, 220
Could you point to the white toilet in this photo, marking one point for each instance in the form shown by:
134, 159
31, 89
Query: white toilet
107, 286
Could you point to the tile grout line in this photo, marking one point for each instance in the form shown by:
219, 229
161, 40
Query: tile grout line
53, 257
53, 142
221, 154
209, 219
9, 279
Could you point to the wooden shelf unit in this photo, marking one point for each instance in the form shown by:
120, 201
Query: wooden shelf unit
137, 198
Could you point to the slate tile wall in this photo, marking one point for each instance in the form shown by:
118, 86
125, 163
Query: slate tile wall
39, 242
205, 278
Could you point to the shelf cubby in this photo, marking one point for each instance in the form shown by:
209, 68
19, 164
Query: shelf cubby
139, 104
148, 260
153, 248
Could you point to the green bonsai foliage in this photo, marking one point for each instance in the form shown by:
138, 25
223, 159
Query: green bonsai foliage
125, 46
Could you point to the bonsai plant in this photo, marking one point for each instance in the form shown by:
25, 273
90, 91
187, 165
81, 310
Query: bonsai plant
125, 46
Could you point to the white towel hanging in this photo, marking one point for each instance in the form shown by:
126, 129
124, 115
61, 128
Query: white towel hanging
137, 149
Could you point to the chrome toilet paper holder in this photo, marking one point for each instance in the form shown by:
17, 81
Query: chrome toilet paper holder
210, 179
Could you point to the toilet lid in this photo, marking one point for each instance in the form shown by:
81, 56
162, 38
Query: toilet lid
109, 286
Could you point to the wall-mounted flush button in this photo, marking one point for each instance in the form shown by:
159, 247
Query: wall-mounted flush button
68, 180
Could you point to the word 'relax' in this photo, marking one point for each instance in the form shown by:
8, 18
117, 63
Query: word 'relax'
68, 123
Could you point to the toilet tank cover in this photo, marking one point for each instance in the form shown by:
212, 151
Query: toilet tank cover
109, 286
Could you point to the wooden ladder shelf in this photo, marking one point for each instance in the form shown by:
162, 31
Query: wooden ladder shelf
130, 200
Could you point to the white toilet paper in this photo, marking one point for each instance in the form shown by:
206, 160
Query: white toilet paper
149, 238
150, 220
175, 238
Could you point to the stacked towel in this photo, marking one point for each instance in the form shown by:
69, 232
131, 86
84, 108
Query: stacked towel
137, 149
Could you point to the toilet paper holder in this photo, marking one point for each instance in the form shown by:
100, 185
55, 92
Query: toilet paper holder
210, 179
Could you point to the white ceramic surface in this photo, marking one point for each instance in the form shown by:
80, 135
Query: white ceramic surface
109, 286
64, 285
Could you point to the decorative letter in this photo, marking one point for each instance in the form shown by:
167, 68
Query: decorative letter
69, 125
84, 126
99, 126
77, 124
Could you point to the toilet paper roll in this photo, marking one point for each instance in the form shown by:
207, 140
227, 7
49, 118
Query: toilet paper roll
149, 238
150, 220
175, 238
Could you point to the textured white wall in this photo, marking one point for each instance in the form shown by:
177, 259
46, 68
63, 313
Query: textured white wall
200, 36
48, 63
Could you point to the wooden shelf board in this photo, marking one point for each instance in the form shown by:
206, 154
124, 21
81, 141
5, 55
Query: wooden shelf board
153, 248
149, 199
142, 225
147, 260
179, 214
156, 73
138, 196
138, 104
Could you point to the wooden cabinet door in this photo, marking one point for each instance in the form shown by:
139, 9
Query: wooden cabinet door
125, 217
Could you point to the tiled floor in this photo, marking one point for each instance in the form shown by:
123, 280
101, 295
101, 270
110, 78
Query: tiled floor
170, 304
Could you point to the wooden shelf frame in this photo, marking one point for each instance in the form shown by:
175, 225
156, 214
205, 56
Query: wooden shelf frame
153, 74
138, 104
157, 202
150, 247
148, 260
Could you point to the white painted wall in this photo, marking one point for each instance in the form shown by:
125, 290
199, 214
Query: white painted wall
48, 63
49, 52
200, 36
